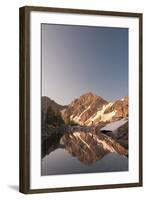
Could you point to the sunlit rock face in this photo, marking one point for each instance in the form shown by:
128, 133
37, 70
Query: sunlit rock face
81, 109
91, 109
120, 107
91, 147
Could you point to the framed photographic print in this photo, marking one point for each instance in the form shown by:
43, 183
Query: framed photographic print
80, 99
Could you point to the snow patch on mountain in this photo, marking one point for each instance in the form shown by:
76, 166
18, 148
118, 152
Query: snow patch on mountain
101, 115
108, 116
113, 126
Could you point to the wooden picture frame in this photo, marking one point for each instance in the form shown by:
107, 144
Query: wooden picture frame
26, 95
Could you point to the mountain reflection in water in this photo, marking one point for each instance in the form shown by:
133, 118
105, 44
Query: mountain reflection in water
82, 152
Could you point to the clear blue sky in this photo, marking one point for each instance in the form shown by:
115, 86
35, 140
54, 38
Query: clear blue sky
80, 59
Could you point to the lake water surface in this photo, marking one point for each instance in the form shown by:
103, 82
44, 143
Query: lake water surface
61, 162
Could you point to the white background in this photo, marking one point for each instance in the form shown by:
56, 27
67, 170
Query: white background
9, 100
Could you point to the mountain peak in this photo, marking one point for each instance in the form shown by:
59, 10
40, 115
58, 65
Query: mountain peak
84, 107
89, 96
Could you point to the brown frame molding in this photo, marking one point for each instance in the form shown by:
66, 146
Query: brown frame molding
24, 98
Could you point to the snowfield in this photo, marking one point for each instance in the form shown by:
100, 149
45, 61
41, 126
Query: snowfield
113, 126
100, 114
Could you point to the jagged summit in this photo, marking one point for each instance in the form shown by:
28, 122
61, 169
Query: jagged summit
90, 95
88, 98
82, 108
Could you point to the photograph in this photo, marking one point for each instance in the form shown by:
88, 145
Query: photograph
84, 99
80, 99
